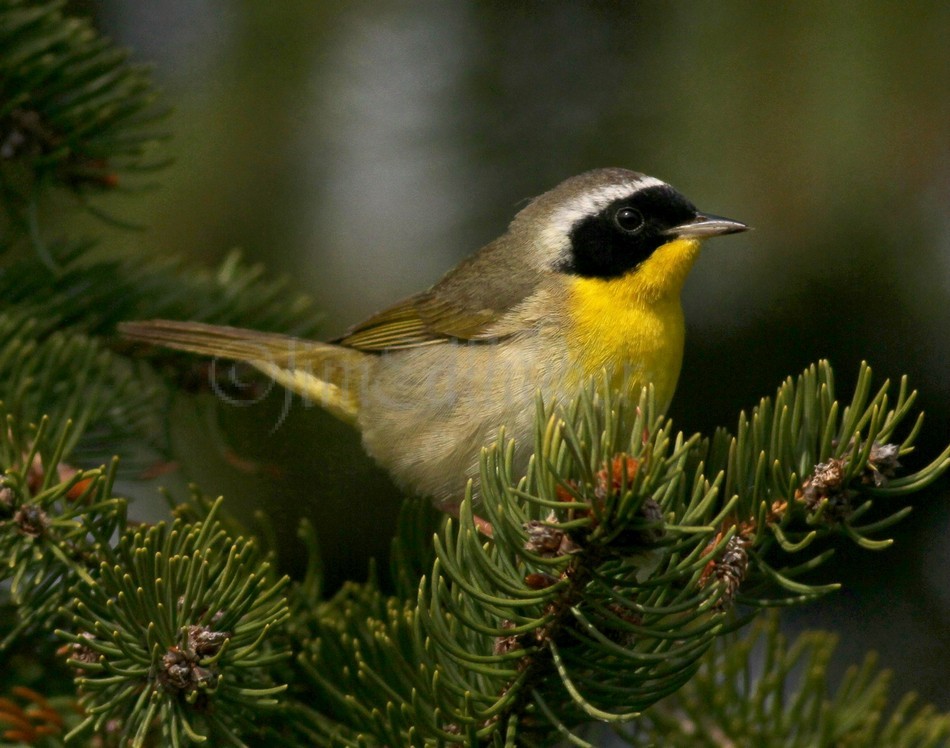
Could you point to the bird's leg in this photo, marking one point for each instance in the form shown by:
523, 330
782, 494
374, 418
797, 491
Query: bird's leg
482, 525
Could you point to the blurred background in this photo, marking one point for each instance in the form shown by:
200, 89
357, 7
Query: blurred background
365, 147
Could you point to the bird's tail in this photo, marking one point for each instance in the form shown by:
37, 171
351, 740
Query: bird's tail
328, 374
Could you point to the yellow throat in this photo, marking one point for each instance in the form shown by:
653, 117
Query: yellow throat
633, 325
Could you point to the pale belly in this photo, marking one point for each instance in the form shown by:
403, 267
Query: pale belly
429, 412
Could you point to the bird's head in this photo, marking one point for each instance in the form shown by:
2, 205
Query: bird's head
614, 223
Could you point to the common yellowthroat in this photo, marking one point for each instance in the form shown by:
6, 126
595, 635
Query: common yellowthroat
586, 278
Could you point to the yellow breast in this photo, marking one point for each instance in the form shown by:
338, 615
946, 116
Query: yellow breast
633, 325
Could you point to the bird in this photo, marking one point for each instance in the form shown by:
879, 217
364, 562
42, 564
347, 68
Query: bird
585, 281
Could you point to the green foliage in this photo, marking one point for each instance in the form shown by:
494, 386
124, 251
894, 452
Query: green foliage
73, 378
92, 291
756, 687
168, 625
176, 629
46, 512
611, 569
74, 113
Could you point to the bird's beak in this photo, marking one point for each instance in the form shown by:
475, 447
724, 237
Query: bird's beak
704, 226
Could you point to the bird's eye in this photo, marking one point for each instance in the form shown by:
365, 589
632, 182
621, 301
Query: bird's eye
629, 220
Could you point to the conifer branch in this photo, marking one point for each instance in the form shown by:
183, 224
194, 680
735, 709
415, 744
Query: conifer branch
751, 688
45, 511
72, 378
74, 113
175, 634
613, 567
